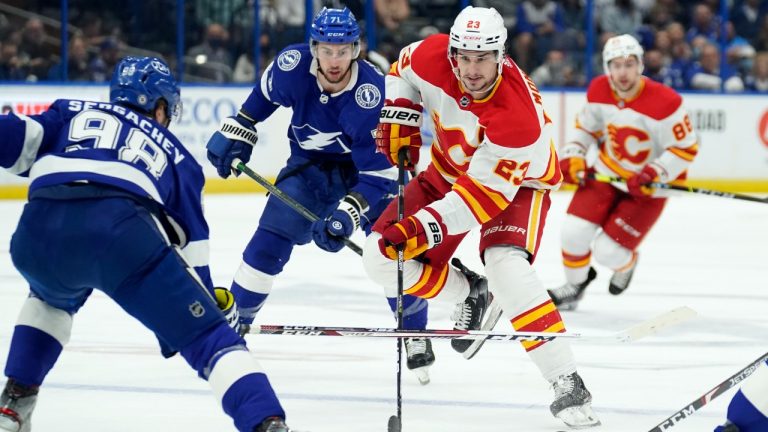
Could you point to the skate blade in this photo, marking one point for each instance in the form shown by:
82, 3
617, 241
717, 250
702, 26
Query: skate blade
579, 417
569, 306
422, 374
492, 316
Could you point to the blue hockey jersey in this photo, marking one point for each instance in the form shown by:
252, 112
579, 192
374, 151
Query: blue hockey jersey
76, 141
324, 126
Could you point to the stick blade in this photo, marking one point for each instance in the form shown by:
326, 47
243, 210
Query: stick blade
394, 424
659, 322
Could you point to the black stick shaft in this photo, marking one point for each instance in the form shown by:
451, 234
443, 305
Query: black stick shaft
290, 202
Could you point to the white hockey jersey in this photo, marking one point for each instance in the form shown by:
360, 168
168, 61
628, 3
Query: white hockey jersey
486, 149
652, 128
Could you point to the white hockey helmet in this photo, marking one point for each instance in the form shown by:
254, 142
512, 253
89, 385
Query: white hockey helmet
478, 29
622, 46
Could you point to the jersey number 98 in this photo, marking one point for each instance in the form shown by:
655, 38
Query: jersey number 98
104, 130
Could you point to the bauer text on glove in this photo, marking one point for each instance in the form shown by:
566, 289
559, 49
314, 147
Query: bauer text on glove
415, 234
398, 128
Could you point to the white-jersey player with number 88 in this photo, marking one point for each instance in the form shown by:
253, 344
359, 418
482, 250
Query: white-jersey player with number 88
642, 134
493, 165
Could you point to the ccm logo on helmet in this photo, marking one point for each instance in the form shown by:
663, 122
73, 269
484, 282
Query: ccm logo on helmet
400, 115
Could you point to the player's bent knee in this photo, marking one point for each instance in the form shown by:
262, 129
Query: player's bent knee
577, 234
609, 253
512, 278
378, 267
268, 252
205, 350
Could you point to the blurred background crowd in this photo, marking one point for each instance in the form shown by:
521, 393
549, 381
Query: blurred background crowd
689, 45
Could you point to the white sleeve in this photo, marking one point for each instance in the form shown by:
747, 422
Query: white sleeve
402, 81
680, 143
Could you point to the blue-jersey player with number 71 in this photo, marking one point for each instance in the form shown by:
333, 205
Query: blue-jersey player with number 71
115, 204
333, 170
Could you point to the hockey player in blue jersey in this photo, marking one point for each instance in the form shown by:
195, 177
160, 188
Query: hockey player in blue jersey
333, 169
748, 410
115, 204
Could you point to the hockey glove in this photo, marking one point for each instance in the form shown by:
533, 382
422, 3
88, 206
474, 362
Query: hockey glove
398, 128
637, 184
573, 163
415, 234
329, 233
234, 140
226, 302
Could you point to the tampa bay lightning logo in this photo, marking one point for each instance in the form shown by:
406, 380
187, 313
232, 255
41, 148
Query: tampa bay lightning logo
310, 138
288, 60
160, 67
368, 96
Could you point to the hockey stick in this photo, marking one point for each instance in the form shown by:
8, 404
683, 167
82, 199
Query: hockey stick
707, 397
630, 334
609, 179
290, 202
396, 422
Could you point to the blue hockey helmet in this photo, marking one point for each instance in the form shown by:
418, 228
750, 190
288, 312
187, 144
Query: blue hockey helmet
335, 26
140, 82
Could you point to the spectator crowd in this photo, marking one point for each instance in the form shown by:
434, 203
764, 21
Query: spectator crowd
688, 45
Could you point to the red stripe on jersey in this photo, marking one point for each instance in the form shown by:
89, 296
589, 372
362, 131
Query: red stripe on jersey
654, 99
687, 154
542, 318
576, 261
430, 283
484, 202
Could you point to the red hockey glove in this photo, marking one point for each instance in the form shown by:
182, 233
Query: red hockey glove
416, 234
637, 184
398, 128
573, 163
574, 169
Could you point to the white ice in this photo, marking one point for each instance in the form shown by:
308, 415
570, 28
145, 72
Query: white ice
707, 253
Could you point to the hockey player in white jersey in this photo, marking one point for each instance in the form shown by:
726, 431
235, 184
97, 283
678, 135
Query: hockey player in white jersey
748, 410
493, 166
641, 133
115, 204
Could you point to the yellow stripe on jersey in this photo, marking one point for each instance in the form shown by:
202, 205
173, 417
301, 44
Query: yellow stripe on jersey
533, 221
438, 285
533, 315
393, 69
553, 167
613, 166
558, 327
686, 154
474, 205
576, 264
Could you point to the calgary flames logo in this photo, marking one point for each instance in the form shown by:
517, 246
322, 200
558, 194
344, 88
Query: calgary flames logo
453, 144
624, 137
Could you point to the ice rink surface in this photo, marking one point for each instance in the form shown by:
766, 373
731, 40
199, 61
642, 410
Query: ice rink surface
707, 253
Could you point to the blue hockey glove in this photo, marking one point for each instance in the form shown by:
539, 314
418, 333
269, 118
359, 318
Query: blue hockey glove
226, 302
329, 234
234, 140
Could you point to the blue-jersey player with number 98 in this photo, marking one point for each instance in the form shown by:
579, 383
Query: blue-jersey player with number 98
115, 204
333, 170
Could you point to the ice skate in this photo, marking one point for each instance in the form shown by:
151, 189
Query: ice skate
567, 296
620, 280
476, 312
727, 427
273, 424
420, 357
16, 405
573, 402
